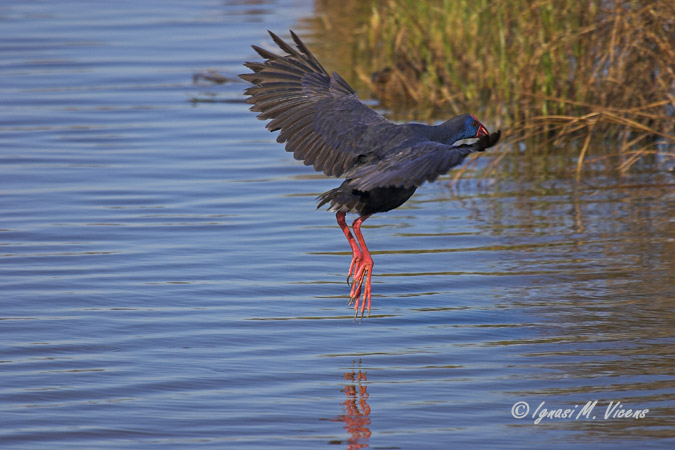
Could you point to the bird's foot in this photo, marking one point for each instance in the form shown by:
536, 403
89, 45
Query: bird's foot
362, 278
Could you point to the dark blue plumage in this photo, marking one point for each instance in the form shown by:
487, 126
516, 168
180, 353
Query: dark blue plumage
324, 124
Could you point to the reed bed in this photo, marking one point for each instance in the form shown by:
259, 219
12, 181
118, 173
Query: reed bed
591, 77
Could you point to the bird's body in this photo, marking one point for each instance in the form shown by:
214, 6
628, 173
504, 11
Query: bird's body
347, 199
325, 125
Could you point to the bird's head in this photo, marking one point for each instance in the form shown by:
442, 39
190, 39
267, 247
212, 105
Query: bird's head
465, 126
475, 128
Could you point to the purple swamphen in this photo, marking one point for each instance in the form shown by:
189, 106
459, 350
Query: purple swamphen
325, 125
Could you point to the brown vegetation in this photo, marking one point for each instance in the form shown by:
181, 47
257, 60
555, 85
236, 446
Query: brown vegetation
593, 78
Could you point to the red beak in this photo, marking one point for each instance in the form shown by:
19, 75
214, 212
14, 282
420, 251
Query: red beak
482, 131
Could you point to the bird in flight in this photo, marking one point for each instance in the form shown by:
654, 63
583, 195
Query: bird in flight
325, 125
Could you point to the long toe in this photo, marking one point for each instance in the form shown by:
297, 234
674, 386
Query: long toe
353, 267
367, 292
365, 301
357, 284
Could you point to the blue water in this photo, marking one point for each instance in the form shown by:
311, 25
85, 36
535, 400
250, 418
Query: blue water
167, 283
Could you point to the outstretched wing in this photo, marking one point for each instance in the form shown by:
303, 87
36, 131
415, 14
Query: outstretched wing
321, 118
415, 164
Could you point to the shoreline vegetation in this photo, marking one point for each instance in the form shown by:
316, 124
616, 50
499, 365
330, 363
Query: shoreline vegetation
593, 79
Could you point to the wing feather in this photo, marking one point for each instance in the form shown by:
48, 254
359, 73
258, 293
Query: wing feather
322, 120
415, 163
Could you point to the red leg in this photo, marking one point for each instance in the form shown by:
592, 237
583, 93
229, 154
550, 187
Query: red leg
356, 252
363, 271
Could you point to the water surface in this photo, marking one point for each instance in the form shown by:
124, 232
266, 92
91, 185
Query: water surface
166, 280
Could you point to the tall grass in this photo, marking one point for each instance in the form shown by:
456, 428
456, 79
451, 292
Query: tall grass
548, 72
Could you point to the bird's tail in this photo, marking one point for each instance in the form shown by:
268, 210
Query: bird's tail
341, 199
326, 197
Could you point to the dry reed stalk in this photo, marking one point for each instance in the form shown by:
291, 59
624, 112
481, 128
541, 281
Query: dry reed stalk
547, 72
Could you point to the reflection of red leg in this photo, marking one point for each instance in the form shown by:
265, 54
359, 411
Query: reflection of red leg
362, 271
356, 410
356, 252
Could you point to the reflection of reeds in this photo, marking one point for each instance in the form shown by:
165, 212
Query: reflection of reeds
551, 72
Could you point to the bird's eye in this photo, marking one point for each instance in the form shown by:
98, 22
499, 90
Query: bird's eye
475, 123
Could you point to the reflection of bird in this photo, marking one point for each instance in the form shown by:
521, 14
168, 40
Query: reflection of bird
324, 124
356, 411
